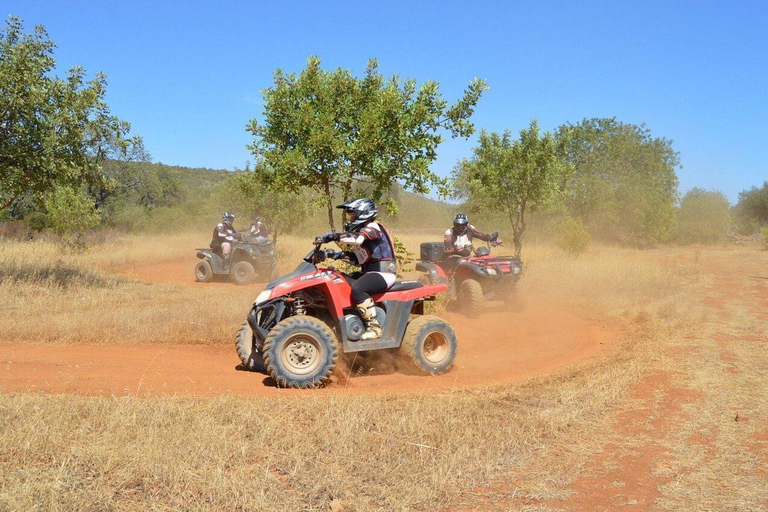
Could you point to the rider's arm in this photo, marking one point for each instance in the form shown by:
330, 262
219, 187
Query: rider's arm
448, 241
225, 233
348, 239
357, 239
479, 234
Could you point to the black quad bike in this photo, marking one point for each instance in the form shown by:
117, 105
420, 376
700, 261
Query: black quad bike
473, 279
248, 259
303, 323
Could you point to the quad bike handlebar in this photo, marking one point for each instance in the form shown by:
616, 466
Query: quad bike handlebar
318, 255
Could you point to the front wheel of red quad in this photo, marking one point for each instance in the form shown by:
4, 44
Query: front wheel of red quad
429, 345
470, 298
301, 352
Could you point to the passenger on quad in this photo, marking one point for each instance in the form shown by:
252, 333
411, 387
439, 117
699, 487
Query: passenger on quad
366, 243
223, 236
458, 239
259, 230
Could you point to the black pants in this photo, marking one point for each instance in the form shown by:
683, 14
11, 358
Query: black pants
367, 285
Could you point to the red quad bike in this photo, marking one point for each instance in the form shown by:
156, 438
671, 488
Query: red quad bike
473, 279
301, 323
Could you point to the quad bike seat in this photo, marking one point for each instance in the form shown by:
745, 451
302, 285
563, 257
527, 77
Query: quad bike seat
401, 286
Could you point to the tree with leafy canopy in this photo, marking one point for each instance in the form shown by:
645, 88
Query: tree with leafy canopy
335, 134
704, 217
514, 177
752, 208
623, 182
53, 132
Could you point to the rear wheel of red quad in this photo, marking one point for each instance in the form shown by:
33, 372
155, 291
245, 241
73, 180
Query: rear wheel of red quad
243, 273
203, 272
246, 349
429, 345
470, 298
301, 352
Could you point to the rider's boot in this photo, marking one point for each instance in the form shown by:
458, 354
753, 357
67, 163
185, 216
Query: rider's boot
372, 326
226, 263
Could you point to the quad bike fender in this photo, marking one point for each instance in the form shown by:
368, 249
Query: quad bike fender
467, 269
435, 272
217, 263
337, 291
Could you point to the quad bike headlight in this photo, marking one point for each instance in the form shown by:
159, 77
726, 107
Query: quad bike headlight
263, 297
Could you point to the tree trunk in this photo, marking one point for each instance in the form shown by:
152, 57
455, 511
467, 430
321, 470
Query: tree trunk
10, 202
518, 228
329, 204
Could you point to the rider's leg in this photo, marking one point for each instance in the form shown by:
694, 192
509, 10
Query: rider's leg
226, 249
370, 283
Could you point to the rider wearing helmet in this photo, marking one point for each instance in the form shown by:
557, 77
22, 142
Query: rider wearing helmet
458, 239
223, 236
366, 243
259, 230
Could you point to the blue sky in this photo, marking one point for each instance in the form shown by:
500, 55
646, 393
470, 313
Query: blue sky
188, 75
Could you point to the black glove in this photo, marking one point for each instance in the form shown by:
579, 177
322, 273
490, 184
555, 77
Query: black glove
334, 255
494, 236
331, 237
318, 257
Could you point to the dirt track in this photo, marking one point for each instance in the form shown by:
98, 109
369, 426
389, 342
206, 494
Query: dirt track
501, 346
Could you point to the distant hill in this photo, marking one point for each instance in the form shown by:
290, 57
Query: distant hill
159, 197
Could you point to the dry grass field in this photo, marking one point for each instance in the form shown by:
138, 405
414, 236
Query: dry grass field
671, 414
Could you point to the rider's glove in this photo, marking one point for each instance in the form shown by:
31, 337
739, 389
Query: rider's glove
331, 237
335, 255
494, 236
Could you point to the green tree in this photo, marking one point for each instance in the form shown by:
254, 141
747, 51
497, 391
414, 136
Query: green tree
71, 213
331, 132
752, 208
511, 176
53, 132
704, 217
623, 182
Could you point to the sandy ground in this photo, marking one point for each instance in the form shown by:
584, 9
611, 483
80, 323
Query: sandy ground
501, 346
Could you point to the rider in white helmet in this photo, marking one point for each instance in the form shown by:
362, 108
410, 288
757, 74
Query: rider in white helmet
366, 243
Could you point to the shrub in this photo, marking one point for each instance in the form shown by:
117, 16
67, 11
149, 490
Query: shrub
704, 217
38, 221
573, 237
71, 214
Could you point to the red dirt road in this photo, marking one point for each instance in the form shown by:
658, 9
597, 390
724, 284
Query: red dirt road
501, 346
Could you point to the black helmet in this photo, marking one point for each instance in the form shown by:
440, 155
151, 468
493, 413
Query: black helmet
228, 218
460, 223
363, 211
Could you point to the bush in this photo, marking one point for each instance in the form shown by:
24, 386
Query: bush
38, 221
573, 237
704, 217
71, 214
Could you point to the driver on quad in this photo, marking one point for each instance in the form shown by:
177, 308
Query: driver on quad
458, 239
366, 243
223, 236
